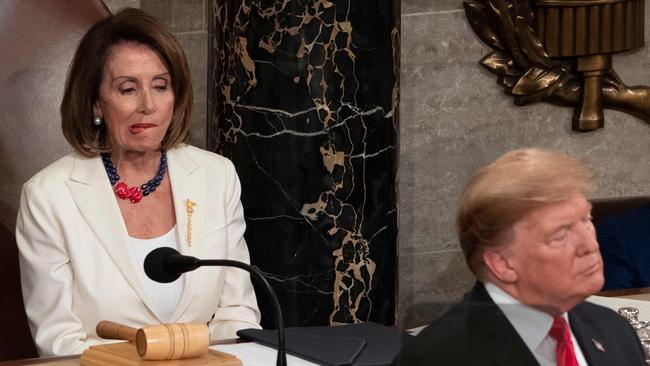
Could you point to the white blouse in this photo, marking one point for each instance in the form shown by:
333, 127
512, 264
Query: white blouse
165, 296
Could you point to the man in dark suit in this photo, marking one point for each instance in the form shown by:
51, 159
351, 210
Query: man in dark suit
525, 229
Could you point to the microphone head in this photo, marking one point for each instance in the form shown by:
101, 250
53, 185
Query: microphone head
155, 265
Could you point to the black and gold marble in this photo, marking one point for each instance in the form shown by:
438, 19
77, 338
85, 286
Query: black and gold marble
303, 98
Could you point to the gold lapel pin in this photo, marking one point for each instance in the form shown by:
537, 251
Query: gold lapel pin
189, 209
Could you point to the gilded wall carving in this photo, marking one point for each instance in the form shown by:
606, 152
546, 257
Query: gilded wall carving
560, 51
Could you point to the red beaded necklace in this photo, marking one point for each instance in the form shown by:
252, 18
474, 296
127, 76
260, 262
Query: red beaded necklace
134, 194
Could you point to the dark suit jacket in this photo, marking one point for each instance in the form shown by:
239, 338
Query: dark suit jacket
625, 245
476, 332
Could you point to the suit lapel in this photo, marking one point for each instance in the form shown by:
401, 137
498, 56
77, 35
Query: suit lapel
495, 336
93, 195
591, 344
187, 179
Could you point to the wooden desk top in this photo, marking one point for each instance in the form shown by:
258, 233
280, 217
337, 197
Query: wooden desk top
628, 293
49, 361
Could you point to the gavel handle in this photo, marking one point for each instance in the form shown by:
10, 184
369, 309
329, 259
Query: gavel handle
111, 330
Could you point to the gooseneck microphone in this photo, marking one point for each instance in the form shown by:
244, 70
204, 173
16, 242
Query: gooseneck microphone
166, 265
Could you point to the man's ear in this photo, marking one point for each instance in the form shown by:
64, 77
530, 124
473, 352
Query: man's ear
499, 265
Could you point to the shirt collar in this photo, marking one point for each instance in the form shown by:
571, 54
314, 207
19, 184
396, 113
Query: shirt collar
532, 325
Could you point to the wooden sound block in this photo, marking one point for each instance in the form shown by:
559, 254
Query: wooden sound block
124, 353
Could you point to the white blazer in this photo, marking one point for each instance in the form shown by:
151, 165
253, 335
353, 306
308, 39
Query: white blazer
78, 267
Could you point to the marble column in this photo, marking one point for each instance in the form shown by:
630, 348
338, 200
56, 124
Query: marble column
303, 98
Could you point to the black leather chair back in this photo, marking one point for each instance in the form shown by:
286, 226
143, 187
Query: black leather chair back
15, 339
604, 207
37, 41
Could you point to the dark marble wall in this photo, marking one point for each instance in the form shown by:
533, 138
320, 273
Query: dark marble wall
302, 96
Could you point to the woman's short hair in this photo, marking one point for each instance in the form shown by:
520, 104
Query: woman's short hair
504, 191
87, 69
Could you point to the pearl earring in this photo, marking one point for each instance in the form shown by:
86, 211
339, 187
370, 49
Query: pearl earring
97, 120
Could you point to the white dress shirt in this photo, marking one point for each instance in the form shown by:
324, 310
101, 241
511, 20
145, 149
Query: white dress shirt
533, 326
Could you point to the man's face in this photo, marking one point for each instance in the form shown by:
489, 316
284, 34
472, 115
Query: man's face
555, 256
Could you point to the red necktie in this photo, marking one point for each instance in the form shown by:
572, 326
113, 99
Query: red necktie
564, 353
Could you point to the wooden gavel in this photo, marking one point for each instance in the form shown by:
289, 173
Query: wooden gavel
160, 342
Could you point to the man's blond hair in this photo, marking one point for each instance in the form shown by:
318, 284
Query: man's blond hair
504, 191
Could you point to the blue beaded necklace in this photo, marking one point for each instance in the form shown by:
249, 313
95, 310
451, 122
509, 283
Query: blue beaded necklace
134, 194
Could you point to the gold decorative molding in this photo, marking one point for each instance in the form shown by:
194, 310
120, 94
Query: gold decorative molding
567, 29
560, 51
570, 3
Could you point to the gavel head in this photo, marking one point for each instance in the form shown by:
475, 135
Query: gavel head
172, 341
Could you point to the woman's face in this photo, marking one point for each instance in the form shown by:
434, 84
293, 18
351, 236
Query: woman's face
136, 98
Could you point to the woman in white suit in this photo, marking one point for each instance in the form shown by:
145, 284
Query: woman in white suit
87, 221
